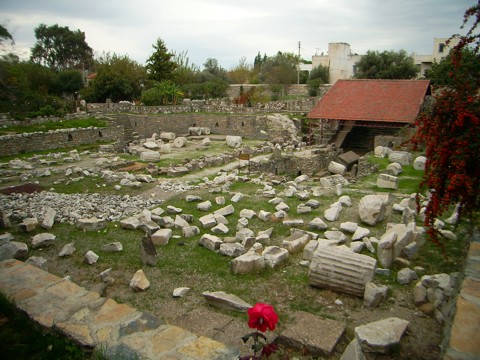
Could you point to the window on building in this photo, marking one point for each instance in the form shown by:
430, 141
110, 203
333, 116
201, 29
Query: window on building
441, 47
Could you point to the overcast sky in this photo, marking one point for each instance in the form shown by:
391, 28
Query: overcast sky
228, 30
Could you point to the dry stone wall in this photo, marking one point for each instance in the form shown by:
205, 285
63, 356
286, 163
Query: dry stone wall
65, 138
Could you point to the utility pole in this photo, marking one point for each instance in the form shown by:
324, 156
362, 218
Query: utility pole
298, 66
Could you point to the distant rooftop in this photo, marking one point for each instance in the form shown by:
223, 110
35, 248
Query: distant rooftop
372, 100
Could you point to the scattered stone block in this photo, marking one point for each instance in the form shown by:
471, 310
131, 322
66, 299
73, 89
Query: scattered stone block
225, 301
275, 256
374, 295
211, 242
42, 240
317, 336
148, 251
49, 219
220, 229
385, 181
113, 247
162, 237
150, 156
90, 258
225, 211
381, 336
13, 250
405, 276
295, 242
67, 250
371, 209
250, 262
402, 157
91, 224
38, 262
317, 224
231, 249
139, 282
208, 221
180, 292
28, 225
190, 231
204, 206
336, 168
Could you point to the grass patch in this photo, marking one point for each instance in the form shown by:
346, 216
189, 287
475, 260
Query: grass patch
54, 125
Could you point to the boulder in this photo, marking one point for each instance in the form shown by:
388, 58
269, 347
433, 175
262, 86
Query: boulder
42, 240
336, 168
211, 242
233, 141
374, 295
371, 209
402, 157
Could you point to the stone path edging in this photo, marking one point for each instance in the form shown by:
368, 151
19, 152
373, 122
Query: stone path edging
117, 330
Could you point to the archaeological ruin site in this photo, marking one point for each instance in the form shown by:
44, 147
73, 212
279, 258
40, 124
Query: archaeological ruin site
150, 235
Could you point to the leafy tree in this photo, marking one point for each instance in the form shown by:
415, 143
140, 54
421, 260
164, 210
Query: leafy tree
440, 73
68, 82
279, 72
318, 76
5, 35
118, 78
240, 73
160, 64
213, 69
184, 73
162, 93
60, 48
451, 134
386, 65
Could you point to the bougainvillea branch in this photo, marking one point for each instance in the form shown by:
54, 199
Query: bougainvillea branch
451, 135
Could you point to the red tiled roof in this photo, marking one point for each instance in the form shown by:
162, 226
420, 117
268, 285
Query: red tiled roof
372, 100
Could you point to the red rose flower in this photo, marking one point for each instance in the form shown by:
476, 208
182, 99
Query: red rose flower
262, 316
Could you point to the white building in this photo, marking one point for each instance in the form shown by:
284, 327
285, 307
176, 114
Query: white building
341, 61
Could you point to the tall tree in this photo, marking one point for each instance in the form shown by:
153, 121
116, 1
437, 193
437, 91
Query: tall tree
241, 73
118, 78
386, 65
440, 73
60, 48
161, 64
5, 35
451, 134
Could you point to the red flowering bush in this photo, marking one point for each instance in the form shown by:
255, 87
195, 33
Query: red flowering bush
451, 135
261, 317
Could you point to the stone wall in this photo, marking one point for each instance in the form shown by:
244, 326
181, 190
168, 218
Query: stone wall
65, 138
251, 126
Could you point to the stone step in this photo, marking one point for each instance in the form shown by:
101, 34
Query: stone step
96, 322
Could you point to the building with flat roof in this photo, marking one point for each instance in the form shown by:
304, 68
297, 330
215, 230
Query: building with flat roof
342, 63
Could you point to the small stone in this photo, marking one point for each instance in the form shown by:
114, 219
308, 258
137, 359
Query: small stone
90, 258
139, 281
180, 292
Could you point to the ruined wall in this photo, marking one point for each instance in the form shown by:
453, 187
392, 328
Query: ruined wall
251, 126
65, 138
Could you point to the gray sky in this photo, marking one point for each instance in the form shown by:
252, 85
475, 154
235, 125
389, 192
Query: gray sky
229, 30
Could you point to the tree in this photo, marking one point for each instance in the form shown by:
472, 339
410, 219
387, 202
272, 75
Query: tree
184, 73
68, 82
160, 64
451, 134
5, 35
439, 74
118, 78
386, 65
59, 48
163, 93
240, 73
318, 76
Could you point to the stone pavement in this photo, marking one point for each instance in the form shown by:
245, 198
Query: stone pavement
464, 341
94, 322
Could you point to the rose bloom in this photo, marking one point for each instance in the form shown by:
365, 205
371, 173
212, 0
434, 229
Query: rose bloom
261, 317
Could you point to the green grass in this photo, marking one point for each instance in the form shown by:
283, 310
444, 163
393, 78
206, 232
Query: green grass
53, 125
